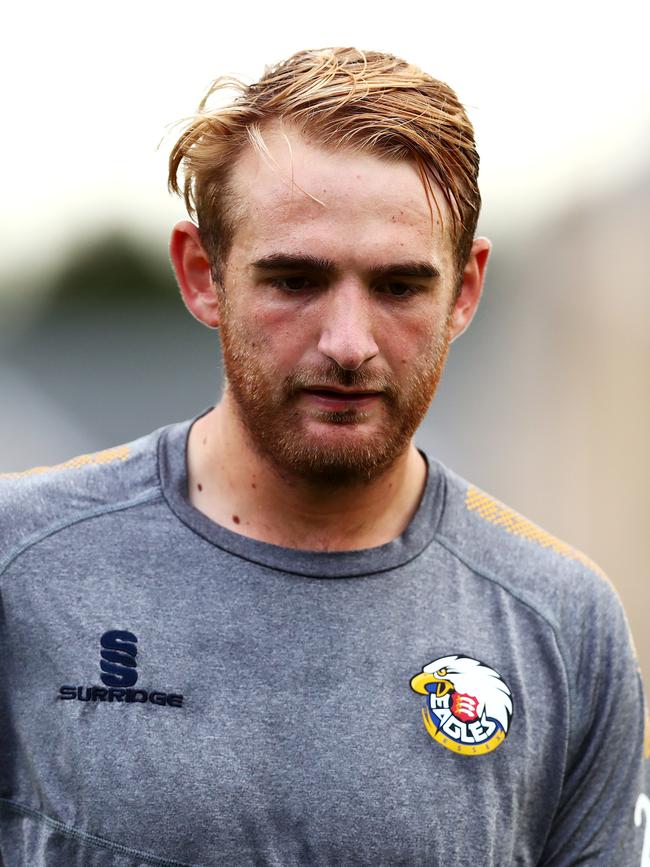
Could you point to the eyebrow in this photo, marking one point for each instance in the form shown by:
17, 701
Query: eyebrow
303, 262
291, 262
426, 270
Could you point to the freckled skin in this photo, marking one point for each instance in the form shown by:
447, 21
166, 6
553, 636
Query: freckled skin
346, 324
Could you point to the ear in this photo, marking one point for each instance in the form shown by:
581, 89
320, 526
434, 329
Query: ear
194, 274
471, 288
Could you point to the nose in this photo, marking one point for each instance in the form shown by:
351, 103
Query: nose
346, 329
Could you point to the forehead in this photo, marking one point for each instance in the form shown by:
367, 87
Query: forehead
296, 193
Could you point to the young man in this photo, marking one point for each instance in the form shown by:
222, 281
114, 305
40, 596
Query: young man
278, 633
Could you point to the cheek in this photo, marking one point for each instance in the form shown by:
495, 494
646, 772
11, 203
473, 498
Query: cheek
412, 338
289, 329
272, 337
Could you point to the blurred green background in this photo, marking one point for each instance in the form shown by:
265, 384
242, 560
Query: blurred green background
545, 400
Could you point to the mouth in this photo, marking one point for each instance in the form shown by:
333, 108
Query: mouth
334, 398
340, 391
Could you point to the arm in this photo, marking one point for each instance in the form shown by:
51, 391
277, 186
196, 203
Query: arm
602, 818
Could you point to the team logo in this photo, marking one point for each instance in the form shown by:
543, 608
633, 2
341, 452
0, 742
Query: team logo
469, 707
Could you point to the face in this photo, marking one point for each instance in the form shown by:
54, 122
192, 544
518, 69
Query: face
336, 305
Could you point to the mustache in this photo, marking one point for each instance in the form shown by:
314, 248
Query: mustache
332, 376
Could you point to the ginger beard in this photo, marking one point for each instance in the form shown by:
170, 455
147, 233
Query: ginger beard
340, 451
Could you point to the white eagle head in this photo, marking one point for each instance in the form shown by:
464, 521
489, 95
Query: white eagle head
467, 676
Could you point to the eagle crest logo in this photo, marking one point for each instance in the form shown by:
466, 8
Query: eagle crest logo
469, 706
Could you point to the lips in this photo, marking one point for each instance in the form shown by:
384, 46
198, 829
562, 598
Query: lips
341, 394
335, 400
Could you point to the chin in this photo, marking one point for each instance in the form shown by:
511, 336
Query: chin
336, 457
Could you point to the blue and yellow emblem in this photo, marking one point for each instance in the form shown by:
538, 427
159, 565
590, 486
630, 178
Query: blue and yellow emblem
469, 706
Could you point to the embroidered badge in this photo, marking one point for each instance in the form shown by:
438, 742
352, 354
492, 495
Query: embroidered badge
117, 662
469, 706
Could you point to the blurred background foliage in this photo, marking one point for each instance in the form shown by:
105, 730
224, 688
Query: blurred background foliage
114, 269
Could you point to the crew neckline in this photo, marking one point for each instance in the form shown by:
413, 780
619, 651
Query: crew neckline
172, 467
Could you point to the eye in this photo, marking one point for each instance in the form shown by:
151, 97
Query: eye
442, 672
293, 284
399, 290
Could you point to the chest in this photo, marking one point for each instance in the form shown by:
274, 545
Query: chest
282, 726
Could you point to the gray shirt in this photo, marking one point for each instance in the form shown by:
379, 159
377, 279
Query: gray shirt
176, 693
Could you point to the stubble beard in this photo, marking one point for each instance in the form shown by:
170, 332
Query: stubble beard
276, 426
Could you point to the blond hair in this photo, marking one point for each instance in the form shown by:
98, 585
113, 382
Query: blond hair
340, 98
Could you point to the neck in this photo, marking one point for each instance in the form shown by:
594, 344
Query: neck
236, 487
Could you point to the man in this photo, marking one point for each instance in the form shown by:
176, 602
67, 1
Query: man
278, 633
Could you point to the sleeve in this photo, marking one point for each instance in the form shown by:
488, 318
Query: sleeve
603, 817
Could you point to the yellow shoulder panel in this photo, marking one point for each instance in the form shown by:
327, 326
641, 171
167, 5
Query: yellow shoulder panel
119, 453
494, 512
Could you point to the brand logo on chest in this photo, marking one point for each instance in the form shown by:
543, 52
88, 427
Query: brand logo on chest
119, 674
118, 665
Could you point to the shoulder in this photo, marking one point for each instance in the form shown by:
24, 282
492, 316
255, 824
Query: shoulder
560, 582
37, 502
556, 582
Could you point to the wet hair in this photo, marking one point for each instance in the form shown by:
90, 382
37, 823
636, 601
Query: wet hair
338, 98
